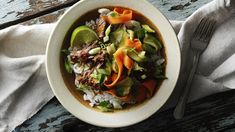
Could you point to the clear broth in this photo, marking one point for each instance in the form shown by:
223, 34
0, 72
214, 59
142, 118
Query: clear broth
70, 78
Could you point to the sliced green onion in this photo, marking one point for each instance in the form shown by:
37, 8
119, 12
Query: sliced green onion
106, 39
94, 51
143, 76
111, 49
108, 30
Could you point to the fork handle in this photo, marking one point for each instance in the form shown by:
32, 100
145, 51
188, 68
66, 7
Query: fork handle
180, 107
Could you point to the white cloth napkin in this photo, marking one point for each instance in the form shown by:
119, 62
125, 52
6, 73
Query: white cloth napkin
24, 88
216, 71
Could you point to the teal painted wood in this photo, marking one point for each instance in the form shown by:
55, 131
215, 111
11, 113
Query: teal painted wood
14, 9
187, 7
210, 114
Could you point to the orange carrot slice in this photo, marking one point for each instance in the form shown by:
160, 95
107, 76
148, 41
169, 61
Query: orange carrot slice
114, 76
128, 62
134, 44
124, 15
118, 56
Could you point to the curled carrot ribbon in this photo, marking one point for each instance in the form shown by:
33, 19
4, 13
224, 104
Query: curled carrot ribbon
134, 44
123, 16
119, 57
122, 59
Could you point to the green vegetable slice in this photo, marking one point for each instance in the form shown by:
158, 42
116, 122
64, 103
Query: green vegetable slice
107, 32
148, 48
118, 37
148, 29
99, 76
131, 34
140, 33
138, 57
111, 49
108, 67
136, 67
152, 41
105, 106
94, 51
82, 35
68, 66
123, 88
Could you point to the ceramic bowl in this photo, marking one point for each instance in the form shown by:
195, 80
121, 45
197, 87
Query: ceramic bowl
125, 117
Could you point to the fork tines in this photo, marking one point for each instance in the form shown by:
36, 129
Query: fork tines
205, 29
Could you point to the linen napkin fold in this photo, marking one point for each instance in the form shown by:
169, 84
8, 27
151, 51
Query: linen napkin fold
24, 88
216, 71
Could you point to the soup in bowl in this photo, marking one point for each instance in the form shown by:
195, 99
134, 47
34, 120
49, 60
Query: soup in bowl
112, 64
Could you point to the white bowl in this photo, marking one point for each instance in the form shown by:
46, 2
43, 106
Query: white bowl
126, 117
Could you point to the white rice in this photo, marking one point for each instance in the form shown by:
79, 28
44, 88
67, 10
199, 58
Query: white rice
95, 99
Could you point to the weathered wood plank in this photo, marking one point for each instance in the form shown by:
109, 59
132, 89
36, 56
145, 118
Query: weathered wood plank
208, 114
36, 11
14, 9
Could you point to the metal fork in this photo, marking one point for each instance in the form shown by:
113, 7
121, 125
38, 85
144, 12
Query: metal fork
199, 42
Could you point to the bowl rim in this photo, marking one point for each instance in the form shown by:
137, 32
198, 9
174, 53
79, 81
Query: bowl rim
65, 104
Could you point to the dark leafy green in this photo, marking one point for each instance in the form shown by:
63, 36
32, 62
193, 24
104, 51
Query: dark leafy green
152, 41
68, 66
140, 33
123, 87
65, 51
105, 106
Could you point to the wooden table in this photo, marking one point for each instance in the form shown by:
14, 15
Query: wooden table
212, 113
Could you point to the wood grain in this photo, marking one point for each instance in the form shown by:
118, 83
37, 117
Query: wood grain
51, 11
210, 114
13, 9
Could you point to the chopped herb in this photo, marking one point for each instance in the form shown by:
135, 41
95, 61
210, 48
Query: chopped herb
140, 33
105, 106
152, 41
68, 66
